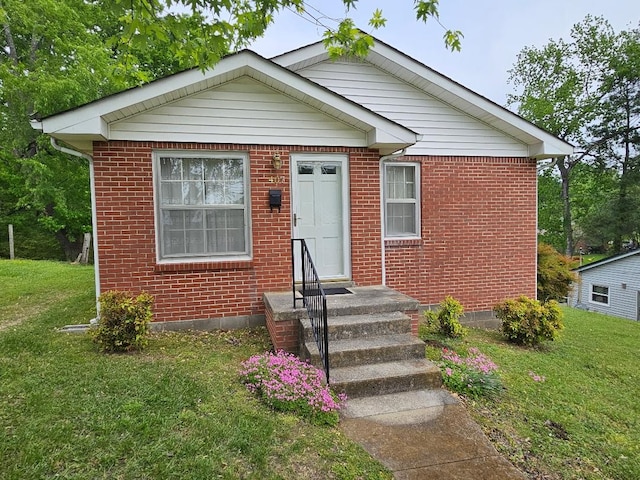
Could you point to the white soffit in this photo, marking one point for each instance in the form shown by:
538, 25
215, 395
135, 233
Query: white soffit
541, 143
90, 122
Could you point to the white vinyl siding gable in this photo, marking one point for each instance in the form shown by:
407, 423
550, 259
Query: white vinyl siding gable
621, 278
243, 111
445, 130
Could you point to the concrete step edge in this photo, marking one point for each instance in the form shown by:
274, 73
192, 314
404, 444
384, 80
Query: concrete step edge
394, 369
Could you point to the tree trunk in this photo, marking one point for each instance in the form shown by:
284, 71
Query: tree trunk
71, 249
567, 222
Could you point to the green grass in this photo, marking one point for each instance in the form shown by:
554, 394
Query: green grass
593, 257
583, 421
177, 410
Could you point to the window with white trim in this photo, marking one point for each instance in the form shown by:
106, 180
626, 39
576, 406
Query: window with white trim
600, 294
202, 205
402, 200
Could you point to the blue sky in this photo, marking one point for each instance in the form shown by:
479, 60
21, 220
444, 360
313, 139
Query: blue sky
495, 31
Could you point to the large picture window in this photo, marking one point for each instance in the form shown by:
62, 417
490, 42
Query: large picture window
600, 294
202, 205
402, 200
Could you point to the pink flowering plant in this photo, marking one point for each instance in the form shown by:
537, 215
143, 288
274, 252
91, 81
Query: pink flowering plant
473, 376
537, 378
286, 383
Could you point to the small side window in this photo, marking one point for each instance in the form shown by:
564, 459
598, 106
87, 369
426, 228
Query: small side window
600, 294
402, 200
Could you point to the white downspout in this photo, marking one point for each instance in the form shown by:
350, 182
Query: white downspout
383, 159
94, 221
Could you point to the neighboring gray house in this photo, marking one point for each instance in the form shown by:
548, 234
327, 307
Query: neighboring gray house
610, 286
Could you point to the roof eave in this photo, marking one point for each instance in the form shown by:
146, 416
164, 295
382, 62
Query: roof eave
542, 144
607, 260
91, 122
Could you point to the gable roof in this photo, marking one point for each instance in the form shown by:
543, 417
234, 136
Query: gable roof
81, 126
541, 144
606, 261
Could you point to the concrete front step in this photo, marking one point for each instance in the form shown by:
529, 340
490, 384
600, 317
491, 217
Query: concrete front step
369, 350
385, 378
363, 300
358, 326
412, 402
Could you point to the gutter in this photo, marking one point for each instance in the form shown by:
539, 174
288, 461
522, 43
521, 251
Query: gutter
383, 159
94, 221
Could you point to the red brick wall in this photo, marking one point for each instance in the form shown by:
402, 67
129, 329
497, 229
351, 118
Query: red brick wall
127, 245
366, 247
478, 233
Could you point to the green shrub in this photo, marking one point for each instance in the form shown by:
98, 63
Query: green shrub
446, 319
528, 322
555, 276
124, 321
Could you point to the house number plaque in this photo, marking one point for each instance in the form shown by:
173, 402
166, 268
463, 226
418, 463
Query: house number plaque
277, 179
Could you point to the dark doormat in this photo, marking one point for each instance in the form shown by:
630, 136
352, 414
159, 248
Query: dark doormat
331, 291
337, 291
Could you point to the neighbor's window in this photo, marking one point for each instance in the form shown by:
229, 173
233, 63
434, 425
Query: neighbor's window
202, 205
600, 294
402, 199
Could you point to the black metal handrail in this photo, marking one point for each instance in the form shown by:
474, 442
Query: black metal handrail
313, 298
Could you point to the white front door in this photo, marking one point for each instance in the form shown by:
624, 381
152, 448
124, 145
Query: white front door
320, 211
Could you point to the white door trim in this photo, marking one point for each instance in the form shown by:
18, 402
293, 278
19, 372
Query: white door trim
343, 159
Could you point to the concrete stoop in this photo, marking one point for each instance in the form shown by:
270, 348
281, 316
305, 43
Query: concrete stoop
371, 348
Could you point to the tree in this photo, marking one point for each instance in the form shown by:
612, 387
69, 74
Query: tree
550, 209
217, 27
50, 62
619, 127
559, 90
554, 275
592, 188
56, 55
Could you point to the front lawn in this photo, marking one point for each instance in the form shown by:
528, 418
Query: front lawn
571, 408
178, 410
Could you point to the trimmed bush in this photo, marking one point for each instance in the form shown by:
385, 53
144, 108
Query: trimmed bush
124, 321
555, 276
447, 319
528, 322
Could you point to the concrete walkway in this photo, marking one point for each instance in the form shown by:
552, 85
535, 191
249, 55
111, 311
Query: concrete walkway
424, 434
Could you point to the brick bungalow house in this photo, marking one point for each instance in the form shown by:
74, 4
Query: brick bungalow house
395, 174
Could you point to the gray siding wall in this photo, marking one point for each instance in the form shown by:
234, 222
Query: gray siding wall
622, 277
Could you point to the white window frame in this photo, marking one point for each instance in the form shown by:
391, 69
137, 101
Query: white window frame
592, 293
158, 207
416, 201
